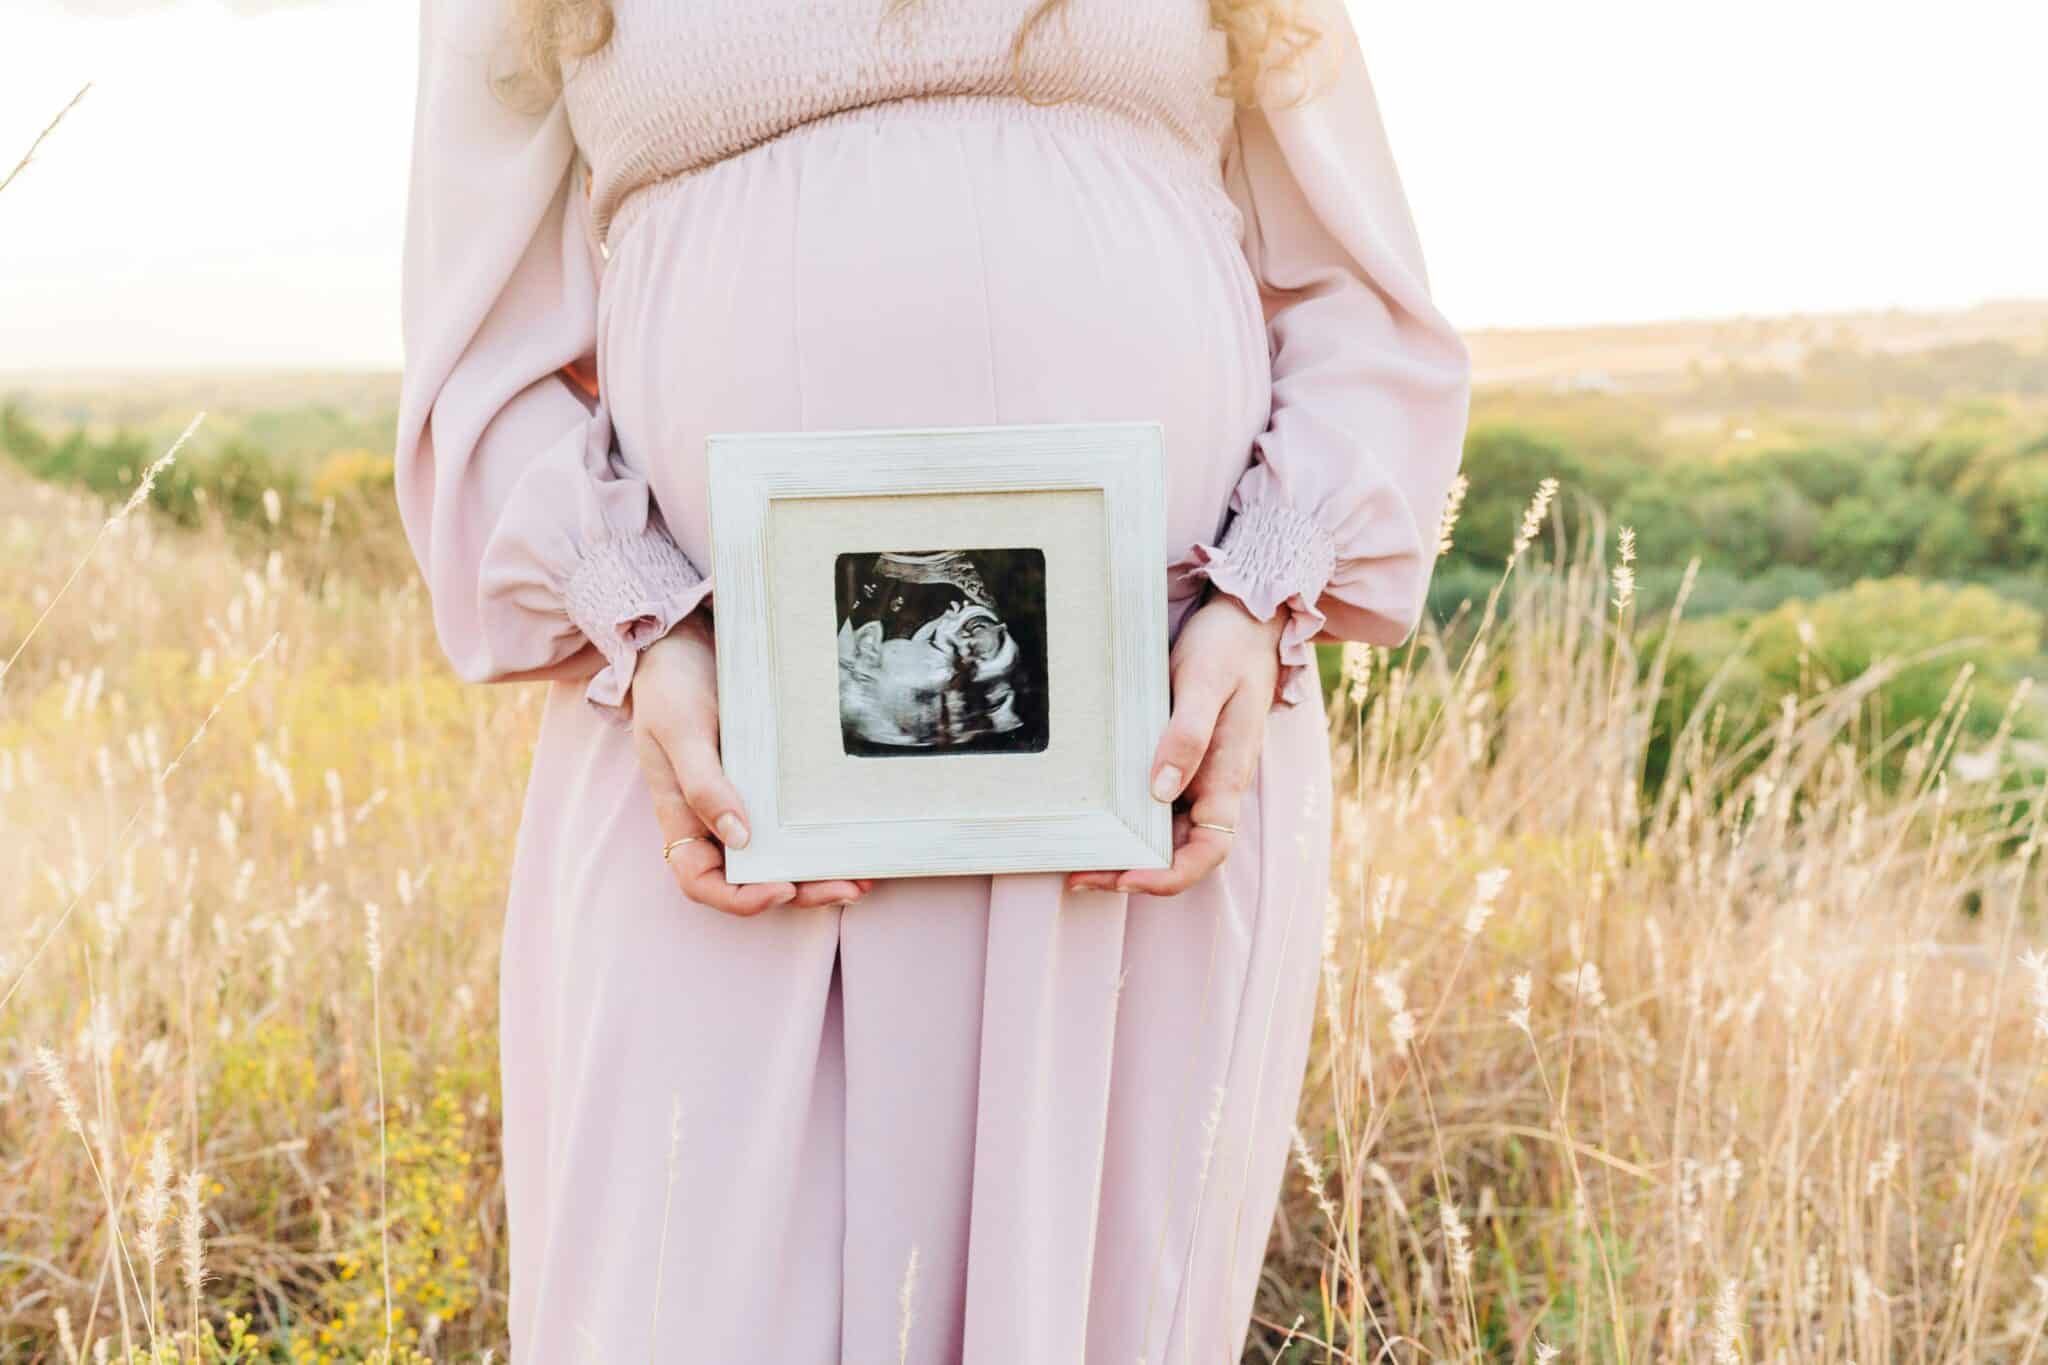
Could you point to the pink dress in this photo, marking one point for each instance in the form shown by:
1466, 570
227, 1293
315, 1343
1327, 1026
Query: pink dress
730, 1139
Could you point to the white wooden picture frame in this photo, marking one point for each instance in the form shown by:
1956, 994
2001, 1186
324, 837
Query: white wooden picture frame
801, 692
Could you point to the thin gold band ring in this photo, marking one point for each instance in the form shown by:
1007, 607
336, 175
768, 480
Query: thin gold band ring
1206, 825
668, 849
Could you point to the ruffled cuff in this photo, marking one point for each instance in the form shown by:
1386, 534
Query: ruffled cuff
624, 594
1274, 557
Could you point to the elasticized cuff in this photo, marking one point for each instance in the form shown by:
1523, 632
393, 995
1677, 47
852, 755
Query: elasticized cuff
626, 593
1275, 557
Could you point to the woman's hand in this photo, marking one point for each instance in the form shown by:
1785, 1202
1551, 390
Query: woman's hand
1224, 668
675, 727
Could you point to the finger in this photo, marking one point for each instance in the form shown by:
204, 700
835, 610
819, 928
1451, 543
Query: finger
1107, 879
1198, 700
699, 865
1218, 797
670, 809
700, 870
1196, 855
693, 750
705, 883
1233, 760
831, 892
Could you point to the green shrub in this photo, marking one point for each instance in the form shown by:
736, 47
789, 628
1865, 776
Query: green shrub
1926, 630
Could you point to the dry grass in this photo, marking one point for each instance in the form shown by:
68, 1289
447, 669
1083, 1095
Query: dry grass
211, 775
1744, 1068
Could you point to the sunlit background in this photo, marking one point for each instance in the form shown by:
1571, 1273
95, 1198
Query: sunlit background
231, 192
1684, 992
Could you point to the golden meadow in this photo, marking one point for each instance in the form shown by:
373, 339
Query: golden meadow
1698, 1012
1740, 1064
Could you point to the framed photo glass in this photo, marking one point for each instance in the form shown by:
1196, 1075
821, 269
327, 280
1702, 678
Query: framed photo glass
941, 651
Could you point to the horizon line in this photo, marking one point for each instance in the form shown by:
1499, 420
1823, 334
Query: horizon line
2020, 303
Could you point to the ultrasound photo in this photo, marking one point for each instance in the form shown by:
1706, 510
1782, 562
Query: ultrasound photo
942, 651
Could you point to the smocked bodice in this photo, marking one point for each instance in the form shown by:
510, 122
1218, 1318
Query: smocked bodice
683, 85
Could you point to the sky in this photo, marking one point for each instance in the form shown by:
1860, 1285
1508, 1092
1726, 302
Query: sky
231, 192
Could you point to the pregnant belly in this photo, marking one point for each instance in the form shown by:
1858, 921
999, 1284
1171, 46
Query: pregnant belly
908, 271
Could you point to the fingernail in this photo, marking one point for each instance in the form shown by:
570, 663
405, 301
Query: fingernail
1166, 784
733, 830
784, 897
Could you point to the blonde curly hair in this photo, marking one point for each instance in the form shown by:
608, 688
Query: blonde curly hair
1264, 36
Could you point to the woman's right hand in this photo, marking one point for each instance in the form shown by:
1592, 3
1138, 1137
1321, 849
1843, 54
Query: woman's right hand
675, 728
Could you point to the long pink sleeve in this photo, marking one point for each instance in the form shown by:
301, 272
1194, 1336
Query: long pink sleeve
537, 545
1336, 519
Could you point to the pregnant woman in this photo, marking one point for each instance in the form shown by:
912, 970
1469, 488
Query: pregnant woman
1013, 1118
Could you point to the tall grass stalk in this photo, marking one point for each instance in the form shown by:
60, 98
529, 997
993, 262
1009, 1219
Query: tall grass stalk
373, 950
906, 1298
668, 1197
49, 128
127, 829
113, 522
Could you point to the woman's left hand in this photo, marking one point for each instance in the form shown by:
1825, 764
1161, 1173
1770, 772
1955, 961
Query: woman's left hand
1223, 668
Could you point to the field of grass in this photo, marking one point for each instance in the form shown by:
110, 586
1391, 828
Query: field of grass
1742, 1062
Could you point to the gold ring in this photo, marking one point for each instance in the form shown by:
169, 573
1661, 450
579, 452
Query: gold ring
668, 849
1206, 825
